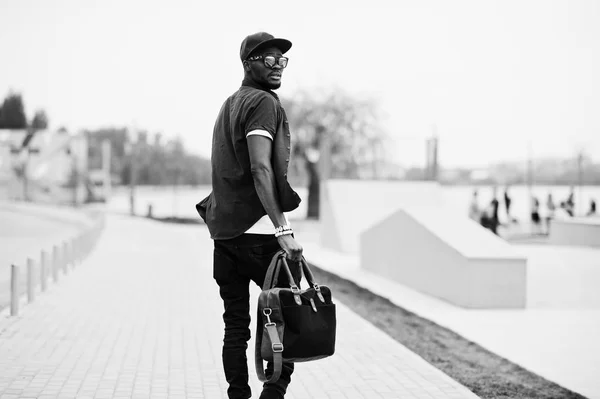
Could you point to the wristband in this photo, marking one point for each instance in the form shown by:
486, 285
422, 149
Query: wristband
283, 230
283, 233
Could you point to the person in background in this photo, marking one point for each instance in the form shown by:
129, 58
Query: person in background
485, 217
474, 212
550, 209
561, 212
550, 205
570, 203
535, 215
507, 203
592, 211
489, 215
495, 220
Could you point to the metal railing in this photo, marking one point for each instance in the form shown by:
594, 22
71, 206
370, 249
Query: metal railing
51, 265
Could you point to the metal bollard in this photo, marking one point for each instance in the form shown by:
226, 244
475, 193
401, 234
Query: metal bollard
65, 257
30, 280
43, 271
75, 250
80, 246
77, 247
74, 257
55, 263
14, 290
80, 249
85, 244
71, 253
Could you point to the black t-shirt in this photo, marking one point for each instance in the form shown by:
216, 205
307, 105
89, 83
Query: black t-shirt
234, 206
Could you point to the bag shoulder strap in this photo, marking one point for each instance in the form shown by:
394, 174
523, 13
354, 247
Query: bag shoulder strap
276, 347
271, 277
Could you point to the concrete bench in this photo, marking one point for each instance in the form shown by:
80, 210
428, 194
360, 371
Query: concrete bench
447, 256
575, 231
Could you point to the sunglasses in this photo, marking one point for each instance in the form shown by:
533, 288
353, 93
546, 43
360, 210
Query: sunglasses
270, 60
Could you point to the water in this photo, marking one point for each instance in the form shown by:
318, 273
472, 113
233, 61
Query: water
181, 201
459, 198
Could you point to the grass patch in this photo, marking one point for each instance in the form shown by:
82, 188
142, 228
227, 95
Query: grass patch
483, 372
178, 220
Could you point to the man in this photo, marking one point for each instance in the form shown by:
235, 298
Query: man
570, 203
250, 193
507, 203
494, 219
474, 213
592, 211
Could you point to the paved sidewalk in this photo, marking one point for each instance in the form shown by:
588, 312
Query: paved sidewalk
141, 318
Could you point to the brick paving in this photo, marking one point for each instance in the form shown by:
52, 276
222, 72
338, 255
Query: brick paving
141, 318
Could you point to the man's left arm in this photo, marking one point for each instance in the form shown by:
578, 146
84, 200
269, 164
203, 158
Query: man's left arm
260, 149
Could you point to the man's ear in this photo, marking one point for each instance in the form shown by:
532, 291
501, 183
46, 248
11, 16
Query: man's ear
246, 65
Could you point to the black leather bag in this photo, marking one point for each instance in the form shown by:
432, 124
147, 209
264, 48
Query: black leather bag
293, 325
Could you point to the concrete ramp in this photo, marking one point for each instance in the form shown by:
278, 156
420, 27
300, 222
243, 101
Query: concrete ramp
348, 207
447, 256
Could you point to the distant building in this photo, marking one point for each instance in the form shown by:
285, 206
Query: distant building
49, 166
480, 175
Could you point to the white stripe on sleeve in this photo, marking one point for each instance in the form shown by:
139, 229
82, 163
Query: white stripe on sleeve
259, 132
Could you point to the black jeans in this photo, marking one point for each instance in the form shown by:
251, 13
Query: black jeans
236, 262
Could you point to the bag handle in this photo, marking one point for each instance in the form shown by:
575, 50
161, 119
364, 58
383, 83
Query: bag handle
310, 278
272, 274
273, 271
278, 262
286, 269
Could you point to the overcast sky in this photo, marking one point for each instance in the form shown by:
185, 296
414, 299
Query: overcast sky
490, 75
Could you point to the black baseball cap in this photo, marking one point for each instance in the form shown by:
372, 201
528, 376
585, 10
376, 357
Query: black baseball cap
260, 40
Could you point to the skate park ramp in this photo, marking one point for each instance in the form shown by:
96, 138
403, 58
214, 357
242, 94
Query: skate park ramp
405, 231
348, 207
447, 256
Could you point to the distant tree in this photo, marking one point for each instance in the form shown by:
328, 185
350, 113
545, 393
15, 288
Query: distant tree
39, 121
352, 126
117, 138
415, 173
155, 163
13, 112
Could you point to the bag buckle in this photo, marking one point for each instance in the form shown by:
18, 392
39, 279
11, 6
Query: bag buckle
277, 347
267, 312
319, 294
312, 304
